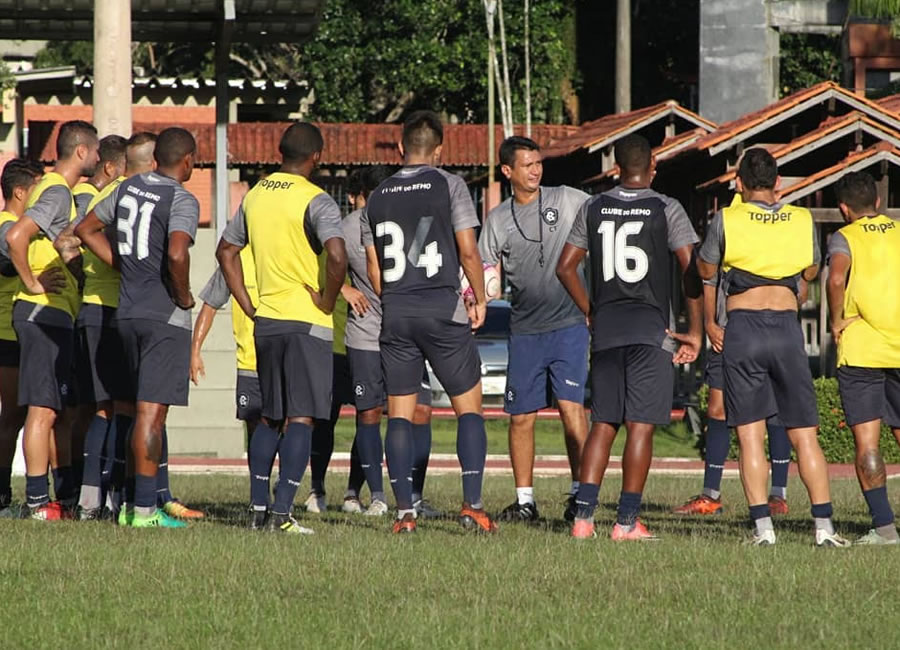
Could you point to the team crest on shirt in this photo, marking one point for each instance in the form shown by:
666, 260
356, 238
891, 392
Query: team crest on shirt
360, 390
550, 216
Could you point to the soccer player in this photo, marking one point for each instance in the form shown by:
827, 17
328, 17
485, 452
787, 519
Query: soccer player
631, 233
363, 352
548, 344
110, 167
764, 248
718, 436
287, 221
44, 320
17, 180
864, 260
156, 222
418, 228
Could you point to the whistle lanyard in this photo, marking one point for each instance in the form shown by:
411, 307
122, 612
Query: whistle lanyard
540, 240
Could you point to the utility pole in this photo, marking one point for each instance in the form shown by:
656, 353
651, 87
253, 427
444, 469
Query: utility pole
112, 67
623, 56
527, 69
489, 8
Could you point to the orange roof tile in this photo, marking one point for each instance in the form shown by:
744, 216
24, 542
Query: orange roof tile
669, 147
891, 103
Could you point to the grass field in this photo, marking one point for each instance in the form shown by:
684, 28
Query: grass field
675, 440
353, 585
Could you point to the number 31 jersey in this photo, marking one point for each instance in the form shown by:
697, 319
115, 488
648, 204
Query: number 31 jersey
412, 219
146, 208
629, 235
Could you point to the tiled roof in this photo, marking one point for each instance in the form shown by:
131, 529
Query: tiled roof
829, 130
891, 103
465, 145
669, 147
598, 133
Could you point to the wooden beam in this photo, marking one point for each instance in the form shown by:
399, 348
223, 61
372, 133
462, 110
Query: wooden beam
833, 215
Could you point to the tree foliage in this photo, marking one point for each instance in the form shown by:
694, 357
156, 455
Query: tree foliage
880, 10
808, 59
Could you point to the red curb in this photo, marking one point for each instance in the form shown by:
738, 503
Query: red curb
498, 413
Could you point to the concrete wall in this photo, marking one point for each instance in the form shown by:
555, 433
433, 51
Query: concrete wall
207, 427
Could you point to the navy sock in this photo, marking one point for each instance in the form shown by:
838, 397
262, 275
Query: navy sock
261, 454
320, 456
93, 448
471, 448
371, 454
109, 456
398, 447
760, 512
718, 439
63, 483
422, 450
163, 494
357, 477
879, 506
822, 510
145, 491
294, 453
780, 454
37, 491
629, 508
119, 483
586, 500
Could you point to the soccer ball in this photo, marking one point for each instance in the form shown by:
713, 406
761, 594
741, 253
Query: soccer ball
493, 288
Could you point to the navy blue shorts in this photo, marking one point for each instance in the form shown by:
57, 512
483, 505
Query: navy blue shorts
633, 383
714, 375
247, 396
368, 380
545, 365
870, 394
158, 361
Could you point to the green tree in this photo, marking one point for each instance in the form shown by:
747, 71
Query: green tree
808, 59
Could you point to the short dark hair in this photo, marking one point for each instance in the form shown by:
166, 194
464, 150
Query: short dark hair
300, 141
422, 132
355, 182
514, 143
18, 173
112, 148
373, 177
172, 145
140, 138
758, 169
858, 191
633, 153
71, 134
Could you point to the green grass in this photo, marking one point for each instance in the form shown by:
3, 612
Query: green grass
674, 440
353, 585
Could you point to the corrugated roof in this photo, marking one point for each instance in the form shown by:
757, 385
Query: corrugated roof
465, 145
603, 131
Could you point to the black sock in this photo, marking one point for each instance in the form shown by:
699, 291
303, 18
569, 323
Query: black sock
371, 454
63, 483
780, 454
422, 450
718, 439
320, 455
471, 448
879, 506
629, 508
586, 500
108, 459
145, 493
37, 491
163, 494
398, 447
357, 476
121, 485
261, 454
294, 454
93, 448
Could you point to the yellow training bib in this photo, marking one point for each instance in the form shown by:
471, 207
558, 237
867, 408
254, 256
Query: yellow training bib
241, 325
8, 288
101, 281
772, 244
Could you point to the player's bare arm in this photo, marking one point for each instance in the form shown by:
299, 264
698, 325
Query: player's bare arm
201, 329
355, 298
715, 333
90, 233
567, 272
19, 236
229, 258
335, 272
693, 294
706, 270
179, 263
836, 287
373, 270
470, 260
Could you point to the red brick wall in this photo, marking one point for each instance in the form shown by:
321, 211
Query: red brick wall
173, 114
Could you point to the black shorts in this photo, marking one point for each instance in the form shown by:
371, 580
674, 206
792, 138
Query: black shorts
341, 380
713, 376
633, 383
247, 397
368, 380
100, 364
766, 369
9, 354
295, 375
448, 346
46, 364
157, 361
870, 394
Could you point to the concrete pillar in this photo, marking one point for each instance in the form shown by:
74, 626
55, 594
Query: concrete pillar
112, 67
623, 56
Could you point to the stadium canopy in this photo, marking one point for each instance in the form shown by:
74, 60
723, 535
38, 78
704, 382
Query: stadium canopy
222, 22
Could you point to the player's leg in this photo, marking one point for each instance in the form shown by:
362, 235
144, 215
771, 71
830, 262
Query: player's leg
118, 444
323, 433
422, 454
369, 398
90, 499
356, 478
607, 411
780, 458
754, 477
12, 418
94, 418
521, 456
567, 352
866, 394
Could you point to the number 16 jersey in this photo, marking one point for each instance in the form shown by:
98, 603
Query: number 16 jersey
146, 209
629, 235
412, 219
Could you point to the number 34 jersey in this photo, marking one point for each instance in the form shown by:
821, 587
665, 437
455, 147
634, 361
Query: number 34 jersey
412, 219
629, 235
146, 209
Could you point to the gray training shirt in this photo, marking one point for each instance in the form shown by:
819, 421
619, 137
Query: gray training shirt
539, 302
215, 292
362, 332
